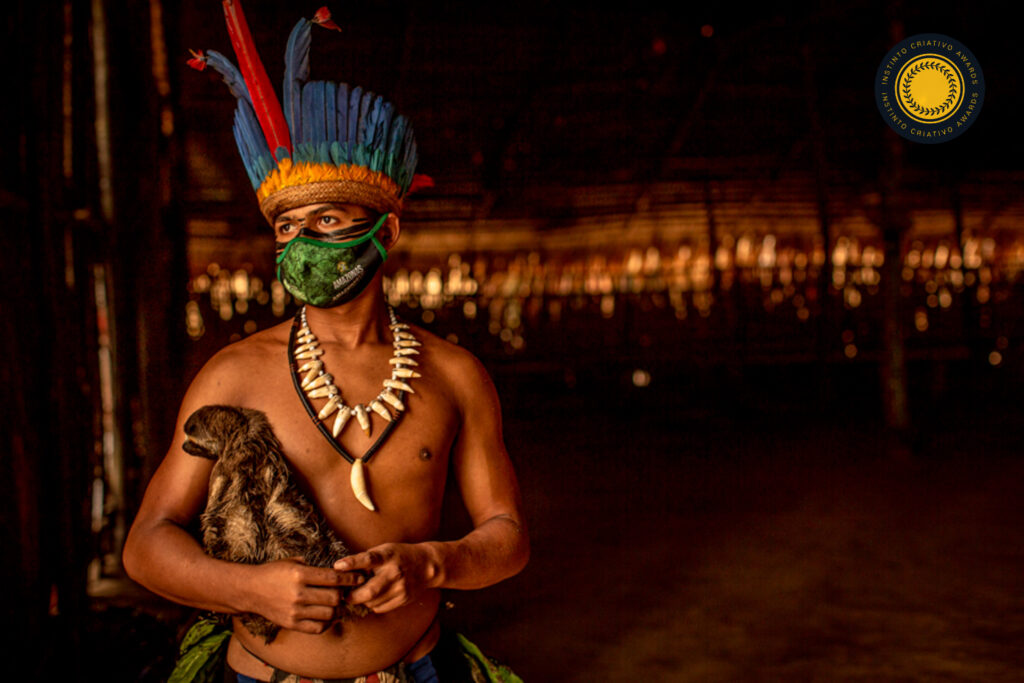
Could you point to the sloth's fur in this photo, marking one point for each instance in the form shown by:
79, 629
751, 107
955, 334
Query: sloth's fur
255, 512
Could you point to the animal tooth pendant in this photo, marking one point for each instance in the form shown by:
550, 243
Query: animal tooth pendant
311, 375
320, 381
332, 404
400, 360
395, 402
358, 481
364, 419
321, 392
344, 413
311, 365
307, 347
398, 384
405, 373
378, 407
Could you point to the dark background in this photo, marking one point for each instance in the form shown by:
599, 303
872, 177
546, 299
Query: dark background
719, 486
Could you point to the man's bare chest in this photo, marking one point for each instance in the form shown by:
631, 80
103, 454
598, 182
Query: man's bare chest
405, 468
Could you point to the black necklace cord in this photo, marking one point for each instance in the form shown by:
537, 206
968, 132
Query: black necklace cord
372, 450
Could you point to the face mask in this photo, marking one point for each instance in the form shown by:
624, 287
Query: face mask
323, 273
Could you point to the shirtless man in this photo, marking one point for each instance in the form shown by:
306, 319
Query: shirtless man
331, 181
454, 414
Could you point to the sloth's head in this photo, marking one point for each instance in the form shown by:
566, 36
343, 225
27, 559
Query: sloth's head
209, 430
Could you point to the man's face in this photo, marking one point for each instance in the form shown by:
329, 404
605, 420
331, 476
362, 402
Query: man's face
350, 220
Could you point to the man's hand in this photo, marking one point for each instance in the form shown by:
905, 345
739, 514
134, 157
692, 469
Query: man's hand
296, 596
399, 573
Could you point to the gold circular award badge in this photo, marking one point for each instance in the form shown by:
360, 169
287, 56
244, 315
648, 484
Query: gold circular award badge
929, 88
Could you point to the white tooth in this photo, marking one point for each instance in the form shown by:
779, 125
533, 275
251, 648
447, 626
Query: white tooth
328, 390
393, 400
312, 353
358, 481
398, 384
400, 326
406, 343
307, 347
306, 339
332, 405
318, 364
404, 372
378, 407
364, 419
344, 413
313, 372
400, 360
406, 352
399, 334
320, 381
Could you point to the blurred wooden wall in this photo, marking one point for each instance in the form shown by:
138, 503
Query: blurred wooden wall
87, 178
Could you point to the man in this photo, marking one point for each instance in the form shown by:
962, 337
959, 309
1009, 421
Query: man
345, 217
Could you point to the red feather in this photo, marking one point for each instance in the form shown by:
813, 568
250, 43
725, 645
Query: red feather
198, 61
419, 182
264, 100
323, 18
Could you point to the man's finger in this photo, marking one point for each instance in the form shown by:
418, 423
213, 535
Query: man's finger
352, 578
314, 627
367, 560
370, 590
388, 605
323, 576
316, 613
331, 597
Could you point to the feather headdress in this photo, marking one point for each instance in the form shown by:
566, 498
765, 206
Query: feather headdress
328, 143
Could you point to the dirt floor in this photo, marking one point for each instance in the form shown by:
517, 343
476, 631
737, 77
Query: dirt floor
769, 548
728, 550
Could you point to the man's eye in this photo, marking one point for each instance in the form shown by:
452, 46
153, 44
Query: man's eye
328, 220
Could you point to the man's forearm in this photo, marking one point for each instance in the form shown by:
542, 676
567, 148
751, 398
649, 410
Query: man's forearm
494, 551
167, 560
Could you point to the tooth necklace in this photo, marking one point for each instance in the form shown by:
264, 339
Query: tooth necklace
316, 383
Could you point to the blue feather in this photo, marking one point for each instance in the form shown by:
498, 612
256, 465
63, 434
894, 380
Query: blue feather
342, 113
231, 75
330, 115
394, 147
407, 164
296, 72
314, 123
249, 168
252, 146
380, 137
364, 117
354, 97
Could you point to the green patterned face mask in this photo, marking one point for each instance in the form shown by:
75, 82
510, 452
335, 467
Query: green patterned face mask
322, 273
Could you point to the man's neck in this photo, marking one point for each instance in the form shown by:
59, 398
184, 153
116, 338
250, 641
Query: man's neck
364, 320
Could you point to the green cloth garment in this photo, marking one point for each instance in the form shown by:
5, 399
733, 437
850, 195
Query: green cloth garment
203, 653
202, 657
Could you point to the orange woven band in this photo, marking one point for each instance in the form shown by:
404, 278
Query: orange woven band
337, 191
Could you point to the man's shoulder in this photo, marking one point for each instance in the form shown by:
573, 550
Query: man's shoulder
463, 370
235, 365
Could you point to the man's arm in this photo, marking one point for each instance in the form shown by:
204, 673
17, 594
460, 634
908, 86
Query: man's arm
497, 548
163, 556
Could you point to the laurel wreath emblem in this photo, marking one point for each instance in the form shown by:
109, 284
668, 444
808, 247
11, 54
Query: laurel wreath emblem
954, 88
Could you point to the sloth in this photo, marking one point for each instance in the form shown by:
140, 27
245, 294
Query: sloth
255, 512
